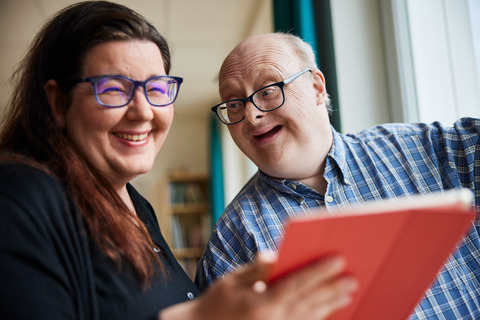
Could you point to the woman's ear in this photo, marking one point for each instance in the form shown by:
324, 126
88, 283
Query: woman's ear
319, 86
56, 101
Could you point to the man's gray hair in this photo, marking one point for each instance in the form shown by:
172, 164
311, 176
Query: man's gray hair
306, 55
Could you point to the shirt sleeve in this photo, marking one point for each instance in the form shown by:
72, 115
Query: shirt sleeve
230, 245
218, 258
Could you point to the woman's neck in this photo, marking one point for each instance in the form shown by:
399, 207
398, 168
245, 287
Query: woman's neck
127, 200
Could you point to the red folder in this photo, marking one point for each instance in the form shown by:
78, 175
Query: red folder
393, 247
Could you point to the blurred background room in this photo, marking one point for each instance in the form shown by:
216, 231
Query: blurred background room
383, 60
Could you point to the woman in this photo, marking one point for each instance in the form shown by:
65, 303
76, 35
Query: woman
92, 106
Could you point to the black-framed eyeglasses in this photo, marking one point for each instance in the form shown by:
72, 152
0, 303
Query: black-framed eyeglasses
266, 99
114, 91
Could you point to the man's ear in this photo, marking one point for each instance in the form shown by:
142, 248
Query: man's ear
56, 101
319, 86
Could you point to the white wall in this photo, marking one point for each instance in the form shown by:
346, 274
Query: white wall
186, 147
433, 72
406, 60
361, 74
474, 6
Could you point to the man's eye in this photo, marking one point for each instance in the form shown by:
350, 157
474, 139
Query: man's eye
269, 92
233, 105
266, 92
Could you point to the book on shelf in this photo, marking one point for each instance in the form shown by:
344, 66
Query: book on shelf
186, 211
186, 192
194, 193
393, 247
178, 235
206, 225
195, 234
195, 237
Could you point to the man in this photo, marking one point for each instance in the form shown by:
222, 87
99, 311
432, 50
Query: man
303, 163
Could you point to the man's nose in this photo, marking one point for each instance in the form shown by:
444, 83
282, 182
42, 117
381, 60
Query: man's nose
252, 113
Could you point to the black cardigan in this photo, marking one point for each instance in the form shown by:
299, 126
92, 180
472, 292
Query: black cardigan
50, 269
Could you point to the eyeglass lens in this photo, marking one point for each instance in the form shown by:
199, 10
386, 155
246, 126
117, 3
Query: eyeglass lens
117, 91
266, 99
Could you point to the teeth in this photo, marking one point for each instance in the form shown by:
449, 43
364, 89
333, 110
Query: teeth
132, 137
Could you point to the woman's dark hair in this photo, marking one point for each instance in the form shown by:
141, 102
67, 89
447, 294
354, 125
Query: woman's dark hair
30, 132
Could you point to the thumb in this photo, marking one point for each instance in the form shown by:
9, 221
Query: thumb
257, 270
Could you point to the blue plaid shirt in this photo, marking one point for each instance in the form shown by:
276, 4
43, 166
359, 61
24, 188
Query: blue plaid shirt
382, 162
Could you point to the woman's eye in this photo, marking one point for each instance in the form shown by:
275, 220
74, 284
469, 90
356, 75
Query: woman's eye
157, 88
111, 90
111, 86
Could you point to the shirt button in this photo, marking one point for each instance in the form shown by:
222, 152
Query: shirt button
190, 295
328, 199
156, 249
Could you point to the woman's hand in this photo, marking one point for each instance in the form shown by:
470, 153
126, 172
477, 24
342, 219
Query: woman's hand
315, 292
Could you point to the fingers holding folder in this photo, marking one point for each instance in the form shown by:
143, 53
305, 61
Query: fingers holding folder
313, 292
316, 291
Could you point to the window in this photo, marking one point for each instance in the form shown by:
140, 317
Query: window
432, 51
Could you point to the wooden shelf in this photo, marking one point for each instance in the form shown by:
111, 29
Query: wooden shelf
188, 253
190, 208
186, 217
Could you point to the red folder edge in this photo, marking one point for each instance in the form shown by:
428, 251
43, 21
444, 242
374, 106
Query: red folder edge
394, 247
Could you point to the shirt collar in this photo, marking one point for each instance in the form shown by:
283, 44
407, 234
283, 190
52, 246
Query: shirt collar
294, 188
337, 158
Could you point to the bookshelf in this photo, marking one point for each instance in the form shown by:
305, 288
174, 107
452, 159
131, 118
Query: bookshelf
185, 216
